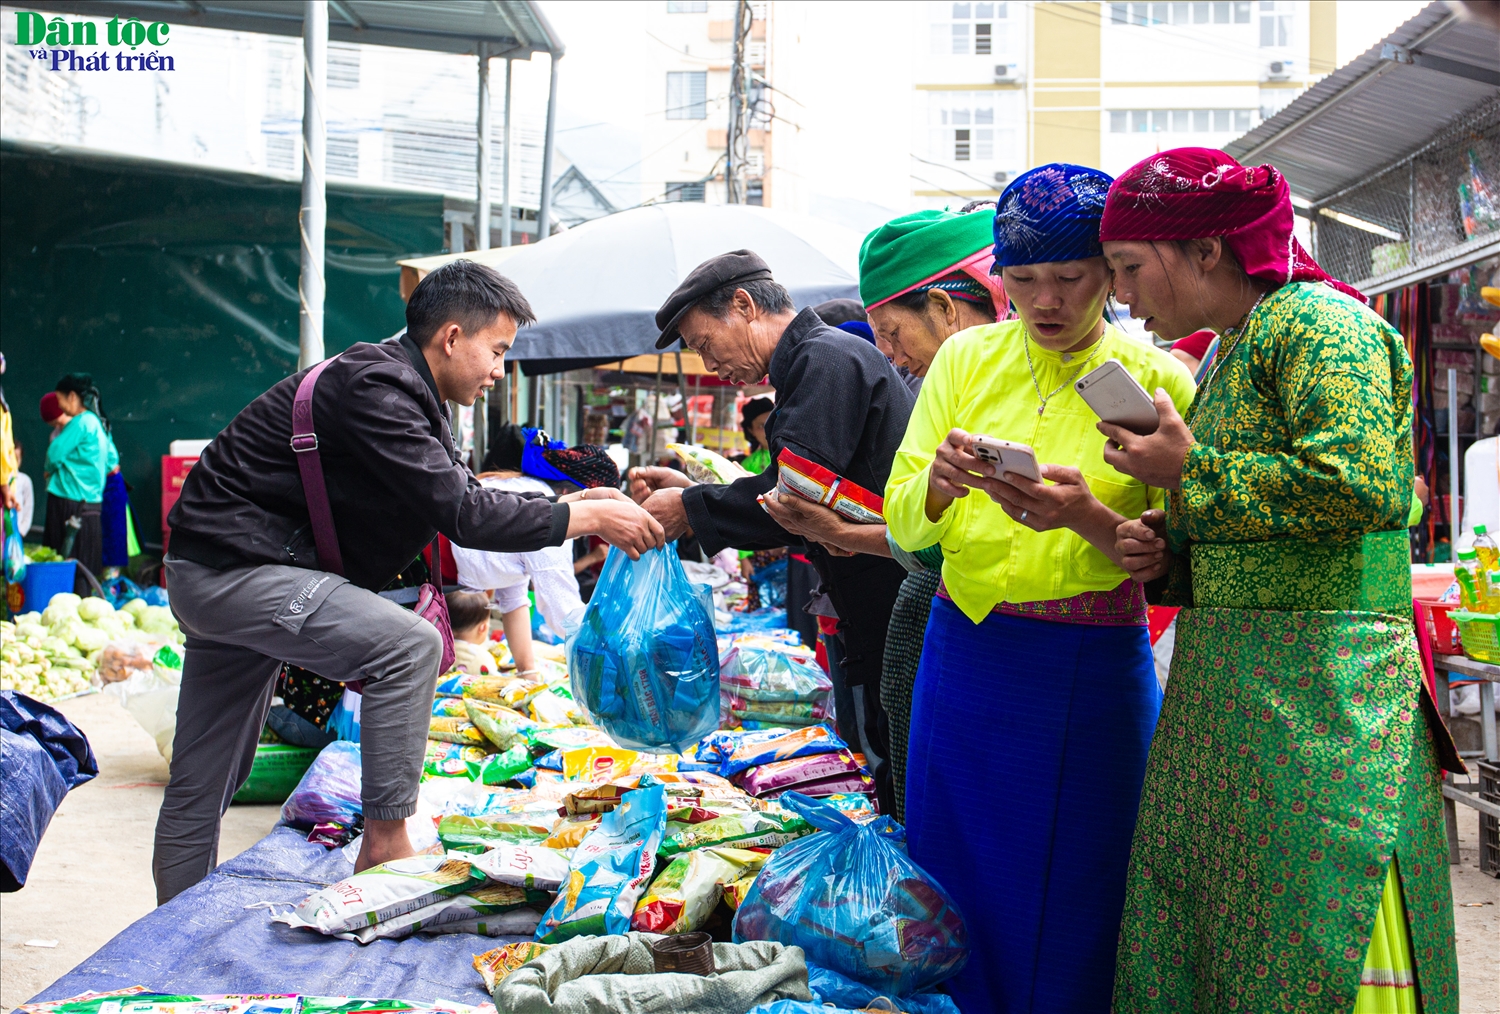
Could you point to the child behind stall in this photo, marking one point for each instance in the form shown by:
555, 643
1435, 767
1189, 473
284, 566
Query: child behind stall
469, 615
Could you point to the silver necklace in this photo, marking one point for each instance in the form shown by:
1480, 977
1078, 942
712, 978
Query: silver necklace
1044, 398
1229, 342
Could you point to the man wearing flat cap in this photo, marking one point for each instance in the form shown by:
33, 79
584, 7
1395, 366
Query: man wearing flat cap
839, 403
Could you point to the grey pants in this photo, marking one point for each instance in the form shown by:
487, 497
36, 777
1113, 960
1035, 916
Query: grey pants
241, 624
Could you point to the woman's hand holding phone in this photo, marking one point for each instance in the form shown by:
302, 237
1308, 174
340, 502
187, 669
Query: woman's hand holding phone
1141, 546
954, 471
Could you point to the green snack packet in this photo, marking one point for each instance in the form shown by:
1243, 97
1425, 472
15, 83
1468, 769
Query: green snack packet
752, 829
499, 768
450, 760
479, 834
499, 724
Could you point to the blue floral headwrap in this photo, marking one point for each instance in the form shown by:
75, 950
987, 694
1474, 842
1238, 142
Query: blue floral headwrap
1050, 213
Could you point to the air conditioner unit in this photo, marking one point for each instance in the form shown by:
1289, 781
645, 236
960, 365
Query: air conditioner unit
1008, 73
1277, 70
1001, 178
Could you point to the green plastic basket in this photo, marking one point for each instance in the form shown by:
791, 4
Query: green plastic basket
276, 771
1480, 634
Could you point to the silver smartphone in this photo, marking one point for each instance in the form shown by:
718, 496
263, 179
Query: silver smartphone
1117, 397
1018, 459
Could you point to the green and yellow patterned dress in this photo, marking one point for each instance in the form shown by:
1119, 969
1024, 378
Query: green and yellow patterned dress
1298, 752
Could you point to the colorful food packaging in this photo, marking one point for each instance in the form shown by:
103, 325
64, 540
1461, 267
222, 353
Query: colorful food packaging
735, 891
384, 892
809, 480
476, 903
854, 805
716, 747
499, 768
552, 708
495, 965
848, 783
455, 683
504, 688
450, 760
784, 774
534, 867
684, 895
456, 730
609, 870
855, 903
514, 922
567, 738
459, 833
760, 748
594, 764
786, 713
448, 707
568, 832
755, 672
497, 723
704, 465
749, 829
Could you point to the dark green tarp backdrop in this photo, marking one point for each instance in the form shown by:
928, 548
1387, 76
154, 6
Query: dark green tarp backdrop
176, 287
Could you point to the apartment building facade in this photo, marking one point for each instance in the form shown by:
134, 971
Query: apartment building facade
1004, 86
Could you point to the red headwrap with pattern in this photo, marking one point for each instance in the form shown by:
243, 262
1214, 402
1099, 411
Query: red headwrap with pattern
1193, 193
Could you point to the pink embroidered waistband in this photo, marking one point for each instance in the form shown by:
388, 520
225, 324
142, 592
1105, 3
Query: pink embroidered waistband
1124, 606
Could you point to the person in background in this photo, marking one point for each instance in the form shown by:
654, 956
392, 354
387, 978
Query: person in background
1290, 853
839, 404
1196, 352
79, 460
1037, 654
753, 424
924, 277
10, 454
549, 571
469, 616
24, 496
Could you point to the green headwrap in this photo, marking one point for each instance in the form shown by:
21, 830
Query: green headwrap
908, 251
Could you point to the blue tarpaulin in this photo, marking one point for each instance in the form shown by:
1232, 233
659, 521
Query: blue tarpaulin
209, 940
42, 756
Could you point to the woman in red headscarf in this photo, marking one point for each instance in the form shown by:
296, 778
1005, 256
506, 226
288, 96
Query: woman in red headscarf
1291, 817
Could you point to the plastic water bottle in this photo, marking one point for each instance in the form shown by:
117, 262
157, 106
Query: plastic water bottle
1489, 552
1473, 583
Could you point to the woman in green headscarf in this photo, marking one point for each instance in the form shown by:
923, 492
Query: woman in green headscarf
923, 278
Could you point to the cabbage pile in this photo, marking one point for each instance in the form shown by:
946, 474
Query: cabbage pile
54, 653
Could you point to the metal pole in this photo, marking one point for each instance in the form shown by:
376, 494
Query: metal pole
313, 217
505, 213
682, 390
544, 211
482, 154
1455, 527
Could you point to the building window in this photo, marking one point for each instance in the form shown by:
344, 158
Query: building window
685, 192
686, 95
968, 29
971, 126
1275, 24
343, 65
960, 146
687, 6
1179, 121
341, 156
755, 193
1177, 13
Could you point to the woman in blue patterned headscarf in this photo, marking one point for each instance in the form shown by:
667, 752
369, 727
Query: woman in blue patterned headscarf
1036, 695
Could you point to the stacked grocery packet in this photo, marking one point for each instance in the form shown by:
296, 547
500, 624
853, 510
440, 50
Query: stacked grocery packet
769, 680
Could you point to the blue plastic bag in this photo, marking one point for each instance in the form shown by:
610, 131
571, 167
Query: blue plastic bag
42, 756
15, 550
609, 870
644, 660
855, 903
329, 792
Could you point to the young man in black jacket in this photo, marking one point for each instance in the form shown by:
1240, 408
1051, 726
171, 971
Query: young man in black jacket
839, 403
243, 569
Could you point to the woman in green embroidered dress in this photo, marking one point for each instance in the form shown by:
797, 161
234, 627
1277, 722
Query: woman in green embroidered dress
1290, 853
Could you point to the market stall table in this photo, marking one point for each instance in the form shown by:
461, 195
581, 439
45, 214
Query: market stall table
1455, 792
217, 937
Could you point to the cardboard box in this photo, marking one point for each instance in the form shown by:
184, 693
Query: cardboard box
174, 470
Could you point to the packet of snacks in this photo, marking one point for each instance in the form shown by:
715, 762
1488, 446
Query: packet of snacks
497, 964
811, 481
703, 465
384, 892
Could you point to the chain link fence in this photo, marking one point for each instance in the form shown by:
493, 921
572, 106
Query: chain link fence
1424, 210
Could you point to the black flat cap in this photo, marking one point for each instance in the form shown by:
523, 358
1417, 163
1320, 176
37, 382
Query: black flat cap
726, 269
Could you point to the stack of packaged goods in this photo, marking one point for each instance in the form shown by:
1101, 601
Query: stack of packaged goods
770, 681
813, 760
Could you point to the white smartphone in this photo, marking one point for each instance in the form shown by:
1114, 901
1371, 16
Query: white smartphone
1018, 459
1117, 397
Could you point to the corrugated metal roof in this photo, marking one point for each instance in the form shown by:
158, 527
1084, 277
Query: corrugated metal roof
513, 28
1373, 111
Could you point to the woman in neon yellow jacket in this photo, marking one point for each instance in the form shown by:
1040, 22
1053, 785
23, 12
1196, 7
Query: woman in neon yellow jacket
1036, 696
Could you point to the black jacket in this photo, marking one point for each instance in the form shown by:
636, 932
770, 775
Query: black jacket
394, 478
839, 402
